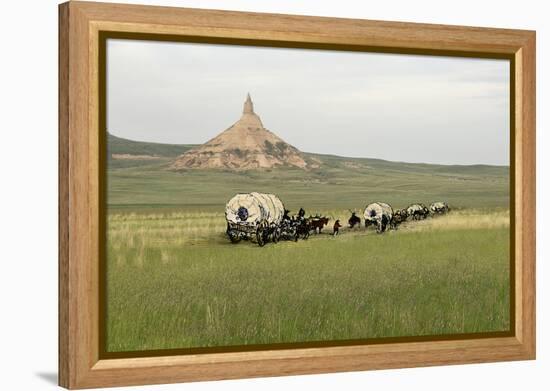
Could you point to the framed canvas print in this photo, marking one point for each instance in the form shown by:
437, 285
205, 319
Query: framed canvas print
248, 195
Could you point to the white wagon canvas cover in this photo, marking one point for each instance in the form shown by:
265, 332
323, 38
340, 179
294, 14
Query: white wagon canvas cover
259, 207
438, 207
374, 211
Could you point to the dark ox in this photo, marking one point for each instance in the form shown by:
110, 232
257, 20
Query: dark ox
354, 220
318, 223
302, 228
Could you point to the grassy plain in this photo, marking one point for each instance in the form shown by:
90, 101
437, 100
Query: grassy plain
335, 186
175, 281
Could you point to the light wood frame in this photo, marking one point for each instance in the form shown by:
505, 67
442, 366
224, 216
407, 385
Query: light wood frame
80, 24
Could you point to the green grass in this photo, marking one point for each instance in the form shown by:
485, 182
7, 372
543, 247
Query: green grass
120, 145
175, 281
334, 185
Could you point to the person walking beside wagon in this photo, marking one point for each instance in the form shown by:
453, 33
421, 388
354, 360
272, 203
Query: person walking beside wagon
336, 227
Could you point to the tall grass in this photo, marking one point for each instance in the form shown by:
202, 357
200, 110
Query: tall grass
175, 281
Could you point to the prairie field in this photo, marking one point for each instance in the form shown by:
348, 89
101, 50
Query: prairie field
174, 280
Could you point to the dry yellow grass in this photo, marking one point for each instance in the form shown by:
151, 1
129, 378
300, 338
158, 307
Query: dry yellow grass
157, 233
175, 280
463, 219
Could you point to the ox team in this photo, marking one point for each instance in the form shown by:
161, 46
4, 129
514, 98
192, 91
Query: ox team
262, 218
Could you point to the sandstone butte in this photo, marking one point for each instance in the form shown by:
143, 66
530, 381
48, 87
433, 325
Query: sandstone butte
245, 145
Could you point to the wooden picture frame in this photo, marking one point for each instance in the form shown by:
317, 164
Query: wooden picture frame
80, 27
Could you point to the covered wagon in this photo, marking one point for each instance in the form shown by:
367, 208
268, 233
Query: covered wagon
418, 211
439, 207
254, 216
379, 214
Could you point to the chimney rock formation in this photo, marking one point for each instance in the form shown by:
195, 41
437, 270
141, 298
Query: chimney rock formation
245, 145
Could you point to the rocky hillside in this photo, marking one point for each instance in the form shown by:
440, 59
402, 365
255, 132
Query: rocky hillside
245, 145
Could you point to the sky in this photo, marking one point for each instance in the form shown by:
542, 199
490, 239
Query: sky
398, 107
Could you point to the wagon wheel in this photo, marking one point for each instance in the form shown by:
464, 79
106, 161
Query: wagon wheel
296, 234
233, 236
275, 236
260, 237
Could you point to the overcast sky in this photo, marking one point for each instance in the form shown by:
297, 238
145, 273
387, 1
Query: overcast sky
389, 106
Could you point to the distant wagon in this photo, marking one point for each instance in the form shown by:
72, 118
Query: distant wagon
379, 214
399, 216
418, 211
439, 207
254, 216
